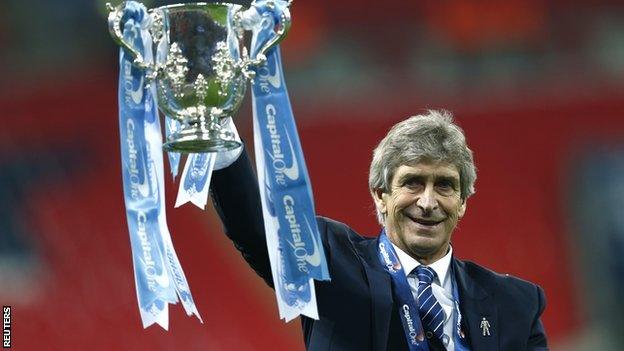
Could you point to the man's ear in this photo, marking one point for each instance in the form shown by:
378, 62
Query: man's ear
380, 201
462, 208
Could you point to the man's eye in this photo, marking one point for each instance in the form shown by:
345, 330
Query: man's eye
412, 183
446, 185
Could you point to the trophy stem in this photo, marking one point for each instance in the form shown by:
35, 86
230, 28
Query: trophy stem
204, 135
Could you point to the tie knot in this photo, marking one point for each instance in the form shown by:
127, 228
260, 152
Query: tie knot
425, 274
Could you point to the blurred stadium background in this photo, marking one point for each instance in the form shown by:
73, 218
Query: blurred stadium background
537, 85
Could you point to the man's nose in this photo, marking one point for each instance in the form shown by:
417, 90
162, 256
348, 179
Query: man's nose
427, 200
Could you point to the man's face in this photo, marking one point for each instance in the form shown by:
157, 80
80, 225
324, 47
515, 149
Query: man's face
422, 208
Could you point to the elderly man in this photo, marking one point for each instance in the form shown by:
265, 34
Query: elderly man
421, 176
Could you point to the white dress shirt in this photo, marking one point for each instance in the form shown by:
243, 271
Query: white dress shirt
441, 287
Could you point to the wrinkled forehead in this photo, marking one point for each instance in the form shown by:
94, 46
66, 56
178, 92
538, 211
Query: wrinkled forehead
428, 168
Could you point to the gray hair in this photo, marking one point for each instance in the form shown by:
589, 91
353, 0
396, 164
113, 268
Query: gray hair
431, 136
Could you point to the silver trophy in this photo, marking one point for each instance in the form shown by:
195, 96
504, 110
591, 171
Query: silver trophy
201, 68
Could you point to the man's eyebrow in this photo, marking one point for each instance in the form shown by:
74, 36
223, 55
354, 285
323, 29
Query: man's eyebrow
411, 175
419, 176
448, 177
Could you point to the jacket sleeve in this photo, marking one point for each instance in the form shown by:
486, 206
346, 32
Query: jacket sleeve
537, 338
236, 198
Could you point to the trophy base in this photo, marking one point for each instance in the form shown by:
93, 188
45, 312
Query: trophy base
198, 141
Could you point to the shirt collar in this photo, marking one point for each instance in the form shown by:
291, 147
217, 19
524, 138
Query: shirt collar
441, 266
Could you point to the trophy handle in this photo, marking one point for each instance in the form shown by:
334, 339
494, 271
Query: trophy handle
282, 29
114, 27
246, 22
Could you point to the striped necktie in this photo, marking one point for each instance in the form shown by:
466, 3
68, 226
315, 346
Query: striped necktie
431, 313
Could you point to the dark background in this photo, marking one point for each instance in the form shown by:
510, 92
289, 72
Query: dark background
537, 86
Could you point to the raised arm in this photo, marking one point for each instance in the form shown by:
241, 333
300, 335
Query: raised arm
236, 197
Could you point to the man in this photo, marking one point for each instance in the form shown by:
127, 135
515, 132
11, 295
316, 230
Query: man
421, 176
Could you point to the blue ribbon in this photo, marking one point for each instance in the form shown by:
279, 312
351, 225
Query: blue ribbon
408, 309
158, 276
197, 178
136, 105
461, 343
171, 126
195, 181
289, 196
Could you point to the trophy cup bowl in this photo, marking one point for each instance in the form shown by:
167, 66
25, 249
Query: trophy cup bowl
200, 69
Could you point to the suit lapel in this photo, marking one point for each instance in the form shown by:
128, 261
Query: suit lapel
478, 310
380, 291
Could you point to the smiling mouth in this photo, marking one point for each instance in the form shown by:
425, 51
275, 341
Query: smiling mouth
426, 222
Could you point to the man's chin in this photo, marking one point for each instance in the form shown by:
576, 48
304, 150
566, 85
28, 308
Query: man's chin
425, 247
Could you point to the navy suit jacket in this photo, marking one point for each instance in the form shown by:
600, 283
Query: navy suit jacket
356, 308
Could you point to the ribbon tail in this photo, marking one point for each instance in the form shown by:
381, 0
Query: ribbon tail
195, 180
181, 284
183, 194
161, 318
